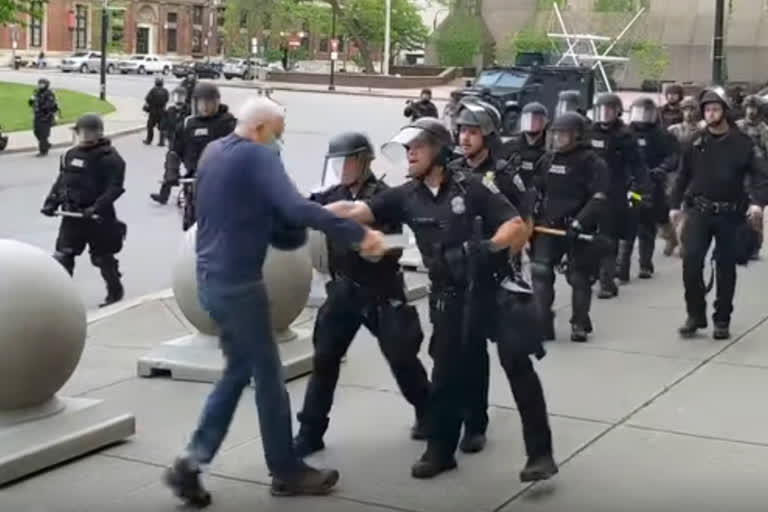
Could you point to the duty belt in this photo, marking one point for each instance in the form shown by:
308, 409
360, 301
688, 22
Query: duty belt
704, 205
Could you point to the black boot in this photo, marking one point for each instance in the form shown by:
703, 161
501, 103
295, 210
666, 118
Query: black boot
692, 325
162, 196
646, 272
112, 275
432, 463
419, 428
623, 261
472, 442
578, 333
608, 290
183, 477
539, 468
721, 331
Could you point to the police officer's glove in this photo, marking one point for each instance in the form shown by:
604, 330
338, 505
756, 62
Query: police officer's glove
89, 212
635, 199
479, 251
574, 230
48, 211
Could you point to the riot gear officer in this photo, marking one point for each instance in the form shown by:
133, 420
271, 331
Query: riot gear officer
671, 113
463, 227
44, 105
528, 148
210, 120
569, 101
659, 150
735, 98
154, 105
91, 178
689, 125
613, 142
755, 127
714, 168
573, 191
360, 293
189, 83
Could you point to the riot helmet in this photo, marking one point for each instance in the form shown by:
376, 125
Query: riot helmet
89, 129
753, 105
534, 118
690, 109
179, 96
43, 84
567, 131
643, 112
735, 94
205, 100
712, 96
608, 108
420, 146
473, 112
567, 101
348, 159
159, 82
674, 94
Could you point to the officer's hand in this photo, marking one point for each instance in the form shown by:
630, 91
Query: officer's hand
48, 211
372, 244
89, 212
574, 230
755, 216
675, 216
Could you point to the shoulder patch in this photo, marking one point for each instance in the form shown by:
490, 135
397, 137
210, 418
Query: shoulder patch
489, 180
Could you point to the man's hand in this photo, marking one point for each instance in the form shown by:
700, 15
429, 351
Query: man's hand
574, 230
372, 244
89, 213
755, 216
675, 216
48, 211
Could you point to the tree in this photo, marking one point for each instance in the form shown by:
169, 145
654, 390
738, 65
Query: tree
458, 40
526, 40
652, 58
16, 11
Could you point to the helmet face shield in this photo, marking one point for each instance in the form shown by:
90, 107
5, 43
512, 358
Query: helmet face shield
561, 140
87, 136
642, 114
341, 170
205, 107
396, 150
532, 123
482, 114
605, 113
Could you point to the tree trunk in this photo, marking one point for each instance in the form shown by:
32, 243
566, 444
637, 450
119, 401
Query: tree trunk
354, 29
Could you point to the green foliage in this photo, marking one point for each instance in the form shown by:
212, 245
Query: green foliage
526, 40
545, 5
15, 11
652, 58
614, 5
458, 40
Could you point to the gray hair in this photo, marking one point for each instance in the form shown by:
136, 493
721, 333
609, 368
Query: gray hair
259, 110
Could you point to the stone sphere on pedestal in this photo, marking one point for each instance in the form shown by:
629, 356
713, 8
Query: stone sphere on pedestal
287, 277
318, 248
43, 326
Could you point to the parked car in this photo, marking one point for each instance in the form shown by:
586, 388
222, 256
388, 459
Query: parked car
143, 64
201, 69
86, 62
239, 68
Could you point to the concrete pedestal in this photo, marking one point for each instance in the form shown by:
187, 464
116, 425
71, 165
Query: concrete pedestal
416, 287
198, 358
36, 438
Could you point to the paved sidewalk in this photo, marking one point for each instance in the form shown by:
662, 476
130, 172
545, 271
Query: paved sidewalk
643, 421
127, 118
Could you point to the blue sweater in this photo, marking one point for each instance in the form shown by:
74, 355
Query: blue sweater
242, 191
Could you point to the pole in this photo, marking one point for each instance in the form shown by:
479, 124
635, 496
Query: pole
332, 83
103, 70
717, 44
387, 35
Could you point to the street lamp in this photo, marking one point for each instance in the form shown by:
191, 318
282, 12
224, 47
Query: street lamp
333, 48
717, 43
103, 66
387, 34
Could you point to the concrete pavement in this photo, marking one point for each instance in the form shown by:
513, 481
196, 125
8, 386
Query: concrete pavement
643, 421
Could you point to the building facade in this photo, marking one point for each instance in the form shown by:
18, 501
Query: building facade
176, 27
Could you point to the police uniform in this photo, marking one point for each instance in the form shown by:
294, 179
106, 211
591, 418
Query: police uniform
361, 293
616, 145
711, 186
573, 188
442, 221
45, 108
758, 132
671, 115
155, 101
660, 153
90, 180
527, 155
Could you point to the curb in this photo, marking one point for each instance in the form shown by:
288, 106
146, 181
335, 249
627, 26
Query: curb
111, 135
289, 88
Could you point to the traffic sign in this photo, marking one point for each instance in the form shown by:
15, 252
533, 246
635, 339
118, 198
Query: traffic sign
334, 55
294, 43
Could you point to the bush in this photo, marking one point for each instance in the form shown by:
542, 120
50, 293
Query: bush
458, 40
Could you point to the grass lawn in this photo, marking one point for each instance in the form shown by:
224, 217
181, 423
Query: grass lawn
16, 114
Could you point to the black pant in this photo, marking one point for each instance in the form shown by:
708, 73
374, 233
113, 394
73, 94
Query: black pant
153, 120
103, 239
641, 226
548, 252
699, 230
478, 383
454, 358
397, 328
617, 224
42, 130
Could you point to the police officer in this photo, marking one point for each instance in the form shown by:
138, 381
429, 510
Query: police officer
671, 113
614, 143
573, 191
360, 293
755, 127
175, 114
189, 83
463, 228
711, 184
45, 108
735, 95
210, 120
422, 108
154, 105
528, 148
685, 130
91, 178
569, 101
660, 151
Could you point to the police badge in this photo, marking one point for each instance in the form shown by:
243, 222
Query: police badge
489, 180
457, 205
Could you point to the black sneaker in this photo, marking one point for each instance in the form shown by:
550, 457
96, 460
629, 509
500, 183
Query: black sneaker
588, 325
645, 273
305, 445
690, 327
539, 468
608, 292
429, 466
578, 334
721, 331
184, 480
308, 482
158, 198
472, 442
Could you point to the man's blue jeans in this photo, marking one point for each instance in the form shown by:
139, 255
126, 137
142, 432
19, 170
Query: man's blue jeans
242, 314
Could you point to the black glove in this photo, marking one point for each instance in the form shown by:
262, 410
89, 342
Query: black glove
48, 211
89, 212
479, 252
574, 230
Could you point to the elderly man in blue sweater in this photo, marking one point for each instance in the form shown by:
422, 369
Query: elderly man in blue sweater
245, 197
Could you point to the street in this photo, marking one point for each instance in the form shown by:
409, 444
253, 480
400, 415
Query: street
154, 232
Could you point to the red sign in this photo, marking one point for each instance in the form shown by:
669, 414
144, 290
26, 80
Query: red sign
294, 43
334, 45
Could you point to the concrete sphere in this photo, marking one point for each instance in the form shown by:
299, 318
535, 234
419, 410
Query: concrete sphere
42, 326
287, 277
318, 248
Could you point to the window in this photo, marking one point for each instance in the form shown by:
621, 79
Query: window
81, 27
197, 15
171, 37
197, 41
117, 29
36, 26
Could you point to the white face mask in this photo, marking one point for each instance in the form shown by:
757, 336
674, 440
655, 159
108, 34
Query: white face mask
605, 114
